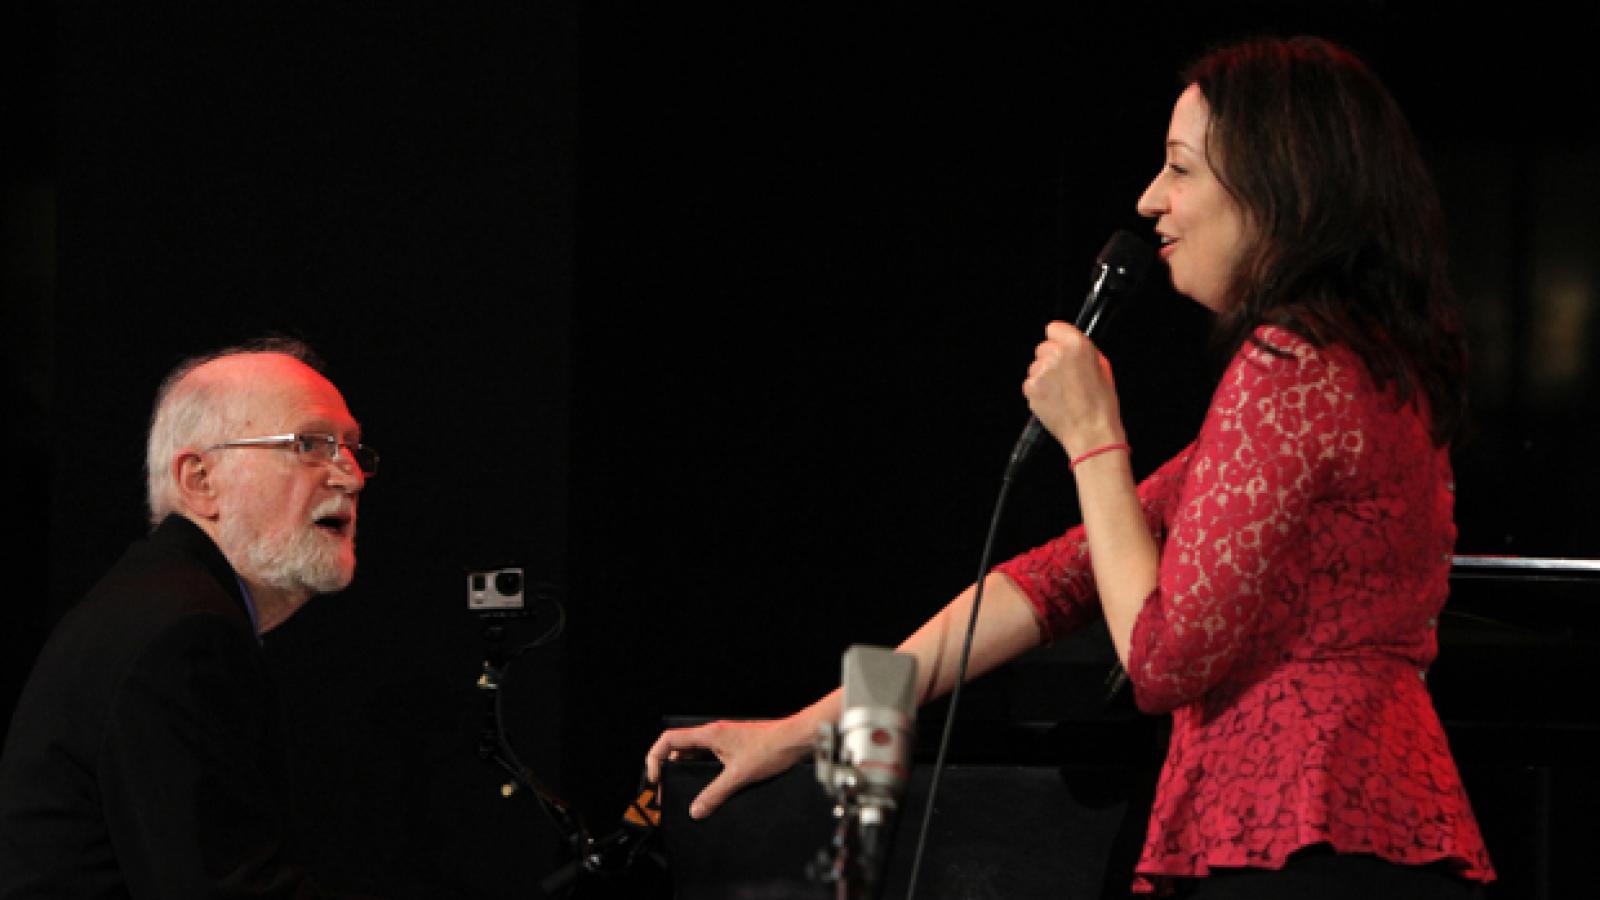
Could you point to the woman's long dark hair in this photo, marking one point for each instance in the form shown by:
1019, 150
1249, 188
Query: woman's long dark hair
1348, 237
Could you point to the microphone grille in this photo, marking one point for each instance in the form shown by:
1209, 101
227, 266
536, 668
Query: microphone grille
880, 678
1126, 257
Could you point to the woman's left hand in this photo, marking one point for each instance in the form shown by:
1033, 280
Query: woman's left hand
1070, 389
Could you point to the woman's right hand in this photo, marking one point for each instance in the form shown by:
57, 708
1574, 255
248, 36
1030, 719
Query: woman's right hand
749, 751
755, 751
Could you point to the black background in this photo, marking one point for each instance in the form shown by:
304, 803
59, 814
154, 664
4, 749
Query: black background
714, 318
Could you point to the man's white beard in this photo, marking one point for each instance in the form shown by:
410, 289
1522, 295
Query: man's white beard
301, 560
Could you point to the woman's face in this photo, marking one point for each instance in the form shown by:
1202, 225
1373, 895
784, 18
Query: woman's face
1201, 227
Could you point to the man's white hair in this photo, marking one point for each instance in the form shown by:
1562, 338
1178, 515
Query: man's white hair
196, 411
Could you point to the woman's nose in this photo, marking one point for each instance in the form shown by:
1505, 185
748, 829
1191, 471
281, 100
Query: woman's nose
1151, 202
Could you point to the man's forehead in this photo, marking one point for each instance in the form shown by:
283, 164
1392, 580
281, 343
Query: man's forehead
254, 367
279, 386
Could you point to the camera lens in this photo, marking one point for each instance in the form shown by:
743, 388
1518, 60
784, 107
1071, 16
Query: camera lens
508, 583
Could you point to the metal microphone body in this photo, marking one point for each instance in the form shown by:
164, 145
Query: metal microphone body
876, 722
865, 762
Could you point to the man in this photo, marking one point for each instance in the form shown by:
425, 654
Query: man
145, 756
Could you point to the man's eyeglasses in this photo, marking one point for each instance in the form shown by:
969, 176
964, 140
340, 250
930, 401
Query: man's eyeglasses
313, 449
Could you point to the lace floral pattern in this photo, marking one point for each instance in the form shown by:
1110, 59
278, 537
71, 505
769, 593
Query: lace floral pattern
1306, 538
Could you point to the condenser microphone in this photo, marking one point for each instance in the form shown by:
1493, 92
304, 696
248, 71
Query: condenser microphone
1118, 269
876, 722
864, 761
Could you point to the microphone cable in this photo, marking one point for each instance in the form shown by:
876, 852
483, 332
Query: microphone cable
1121, 266
961, 672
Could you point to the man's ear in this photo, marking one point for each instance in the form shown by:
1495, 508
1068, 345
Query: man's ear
196, 485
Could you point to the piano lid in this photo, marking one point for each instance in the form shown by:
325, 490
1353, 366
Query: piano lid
1524, 568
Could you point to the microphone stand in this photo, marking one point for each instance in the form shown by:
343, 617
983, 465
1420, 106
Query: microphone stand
859, 842
494, 746
628, 841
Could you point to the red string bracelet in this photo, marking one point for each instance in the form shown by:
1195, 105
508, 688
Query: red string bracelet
1097, 451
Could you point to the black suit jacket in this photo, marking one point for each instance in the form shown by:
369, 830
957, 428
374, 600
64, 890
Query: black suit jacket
146, 755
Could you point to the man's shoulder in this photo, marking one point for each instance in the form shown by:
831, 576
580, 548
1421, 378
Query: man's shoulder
150, 586
160, 584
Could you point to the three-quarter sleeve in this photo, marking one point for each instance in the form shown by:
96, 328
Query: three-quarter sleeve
1056, 576
1277, 434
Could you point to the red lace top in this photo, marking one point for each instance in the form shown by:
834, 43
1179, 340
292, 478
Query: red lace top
1305, 542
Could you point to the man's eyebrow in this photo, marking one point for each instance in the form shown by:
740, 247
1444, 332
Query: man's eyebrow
327, 426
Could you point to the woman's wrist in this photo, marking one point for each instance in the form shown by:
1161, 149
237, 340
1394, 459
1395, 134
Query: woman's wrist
1085, 440
1097, 451
798, 732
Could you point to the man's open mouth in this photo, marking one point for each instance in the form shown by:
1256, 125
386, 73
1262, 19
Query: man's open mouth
338, 524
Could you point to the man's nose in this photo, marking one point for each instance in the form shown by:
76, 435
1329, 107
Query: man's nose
345, 473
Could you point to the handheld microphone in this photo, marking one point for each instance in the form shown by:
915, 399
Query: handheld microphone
1118, 269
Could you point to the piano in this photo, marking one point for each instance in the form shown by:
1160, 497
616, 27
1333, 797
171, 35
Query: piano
1048, 784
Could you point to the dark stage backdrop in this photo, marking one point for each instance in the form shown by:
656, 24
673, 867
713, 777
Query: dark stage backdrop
713, 317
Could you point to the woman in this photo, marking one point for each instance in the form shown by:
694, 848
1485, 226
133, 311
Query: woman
1275, 586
